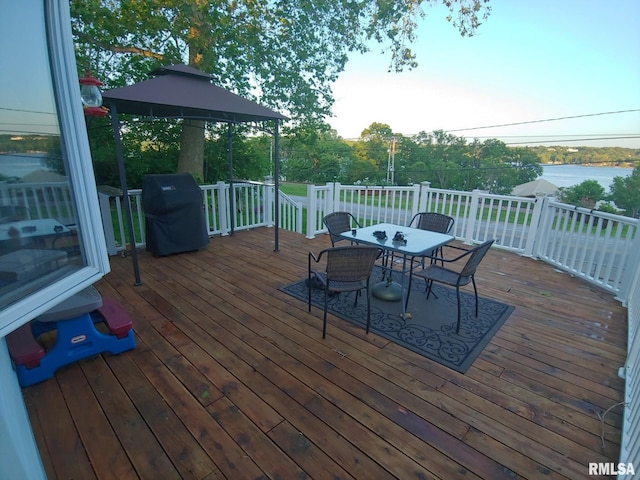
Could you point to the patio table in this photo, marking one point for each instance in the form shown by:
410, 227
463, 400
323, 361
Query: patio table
412, 243
30, 234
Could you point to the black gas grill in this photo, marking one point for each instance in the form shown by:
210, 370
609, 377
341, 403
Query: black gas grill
174, 214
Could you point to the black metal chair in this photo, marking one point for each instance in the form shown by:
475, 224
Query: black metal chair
339, 222
435, 222
438, 273
348, 269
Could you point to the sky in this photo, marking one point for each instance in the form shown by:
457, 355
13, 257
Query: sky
529, 61
27, 103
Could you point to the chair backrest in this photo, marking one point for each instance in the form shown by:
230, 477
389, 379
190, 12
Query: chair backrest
435, 222
352, 263
475, 257
337, 223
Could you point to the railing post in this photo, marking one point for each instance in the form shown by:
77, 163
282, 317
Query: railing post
311, 211
423, 197
298, 211
535, 231
104, 201
472, 216
416, 205
630, 275
545, 224
269, 195
223, 207
336, 190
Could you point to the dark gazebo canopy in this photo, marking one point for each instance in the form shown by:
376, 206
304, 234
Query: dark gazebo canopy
180, 91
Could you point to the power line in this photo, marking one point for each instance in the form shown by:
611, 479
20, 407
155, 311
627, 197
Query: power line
26, 111
562, 135
589, 139
546, 120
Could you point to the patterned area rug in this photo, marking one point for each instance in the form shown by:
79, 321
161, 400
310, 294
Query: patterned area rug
431, 331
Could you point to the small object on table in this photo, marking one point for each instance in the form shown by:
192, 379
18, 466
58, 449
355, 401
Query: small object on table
380, 234
399, 238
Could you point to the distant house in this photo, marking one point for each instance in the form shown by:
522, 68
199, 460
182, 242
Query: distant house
43, 176
535, 188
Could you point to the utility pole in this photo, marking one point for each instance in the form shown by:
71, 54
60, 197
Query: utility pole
391, 162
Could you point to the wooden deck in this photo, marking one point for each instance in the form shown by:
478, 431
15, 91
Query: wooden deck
231, 379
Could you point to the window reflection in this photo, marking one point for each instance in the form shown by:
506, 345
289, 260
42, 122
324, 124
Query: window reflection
39, 241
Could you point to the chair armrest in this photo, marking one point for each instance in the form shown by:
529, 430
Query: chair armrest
317, 258
455, 259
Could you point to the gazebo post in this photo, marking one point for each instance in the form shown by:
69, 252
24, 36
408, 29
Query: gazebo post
232, 196
115, 123
276, 172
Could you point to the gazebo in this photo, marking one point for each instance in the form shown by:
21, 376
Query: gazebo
181, 91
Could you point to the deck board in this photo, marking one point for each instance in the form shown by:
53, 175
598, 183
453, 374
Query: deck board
231, 379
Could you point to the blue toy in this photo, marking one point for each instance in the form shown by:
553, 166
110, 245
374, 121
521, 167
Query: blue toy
75, 321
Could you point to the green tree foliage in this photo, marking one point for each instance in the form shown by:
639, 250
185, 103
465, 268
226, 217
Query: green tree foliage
611, 156
284, 53
585, 194
151, 148
625, 192
443, 159
374, 148
314, 156
450, 162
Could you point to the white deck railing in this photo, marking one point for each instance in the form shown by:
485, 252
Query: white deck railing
630, 444
589, 244
40, 200
596, 246
254, 207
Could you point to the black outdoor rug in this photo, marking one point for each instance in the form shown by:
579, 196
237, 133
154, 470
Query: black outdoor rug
431, 331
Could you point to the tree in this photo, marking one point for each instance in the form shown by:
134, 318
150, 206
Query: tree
312, 156
285, 53
375, 147
444, 154
500, 168
585, 194
625, 192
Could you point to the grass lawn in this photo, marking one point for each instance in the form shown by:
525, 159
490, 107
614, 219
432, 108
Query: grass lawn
295, 189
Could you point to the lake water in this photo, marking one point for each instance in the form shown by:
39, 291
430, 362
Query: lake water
570, 175
21, 164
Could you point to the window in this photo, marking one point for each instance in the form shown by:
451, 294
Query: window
51, 239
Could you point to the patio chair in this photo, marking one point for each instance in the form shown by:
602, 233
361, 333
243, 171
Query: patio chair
438, 273
339, 222
347, 269
434, 222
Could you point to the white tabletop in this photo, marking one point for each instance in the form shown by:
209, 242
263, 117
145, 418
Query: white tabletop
418, 242
31, 228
